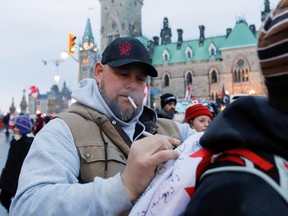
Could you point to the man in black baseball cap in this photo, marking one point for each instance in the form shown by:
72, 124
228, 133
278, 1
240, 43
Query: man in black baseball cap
96, 134
126, 50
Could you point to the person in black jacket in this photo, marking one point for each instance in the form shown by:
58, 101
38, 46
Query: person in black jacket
19, 147
168, 106
248, 174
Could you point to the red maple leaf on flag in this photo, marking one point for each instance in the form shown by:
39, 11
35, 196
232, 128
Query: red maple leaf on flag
190, 191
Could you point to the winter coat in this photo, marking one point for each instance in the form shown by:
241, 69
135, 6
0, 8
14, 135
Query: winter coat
16, 155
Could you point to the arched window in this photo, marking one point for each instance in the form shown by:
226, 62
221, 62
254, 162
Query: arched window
241, 71
166, 80
212, 50
188, 53
189, 79
238, 76
188, 85
213, 76
166, 56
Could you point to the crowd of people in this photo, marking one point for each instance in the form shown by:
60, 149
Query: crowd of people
111, 155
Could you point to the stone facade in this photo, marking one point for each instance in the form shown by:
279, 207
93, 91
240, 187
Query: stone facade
234, 68
202, 86
120, 18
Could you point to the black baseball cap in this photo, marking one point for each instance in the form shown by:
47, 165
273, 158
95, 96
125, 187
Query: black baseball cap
126, 50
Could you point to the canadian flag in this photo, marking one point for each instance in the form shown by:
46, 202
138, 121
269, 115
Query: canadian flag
146, 93
173, 185
34, 91
188, 92
11, 121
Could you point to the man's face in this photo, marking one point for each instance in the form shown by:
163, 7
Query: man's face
116, 84
170, 107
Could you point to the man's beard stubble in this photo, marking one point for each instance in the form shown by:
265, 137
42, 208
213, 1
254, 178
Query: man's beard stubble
123, 114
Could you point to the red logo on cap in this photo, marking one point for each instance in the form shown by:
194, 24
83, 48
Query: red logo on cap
125, 48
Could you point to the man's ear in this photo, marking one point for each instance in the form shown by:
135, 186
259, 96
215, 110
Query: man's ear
98, 72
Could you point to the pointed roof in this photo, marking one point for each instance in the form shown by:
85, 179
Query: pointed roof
240, 36
88, 35
23, 104
12, 107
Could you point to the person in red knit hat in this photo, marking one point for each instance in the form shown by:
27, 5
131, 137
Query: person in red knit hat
198, 117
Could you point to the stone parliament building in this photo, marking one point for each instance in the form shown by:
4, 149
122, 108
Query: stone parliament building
204, 65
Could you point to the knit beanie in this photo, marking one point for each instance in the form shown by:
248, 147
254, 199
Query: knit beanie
197, 110
167, 98
272, 48
24, 124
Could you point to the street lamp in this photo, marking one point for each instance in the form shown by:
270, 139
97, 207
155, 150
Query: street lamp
57, 79
64, 55
57, 76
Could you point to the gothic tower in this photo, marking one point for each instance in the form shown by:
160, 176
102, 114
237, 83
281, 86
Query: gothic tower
165, 33
88, 54
23, 104
120, 18
266, 11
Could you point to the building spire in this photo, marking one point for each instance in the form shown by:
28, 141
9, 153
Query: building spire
88, 53
23, 104
12, 107
266, 11
165, 33
88, 32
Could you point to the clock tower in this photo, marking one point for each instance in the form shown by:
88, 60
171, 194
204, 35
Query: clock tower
120, 18
88, 54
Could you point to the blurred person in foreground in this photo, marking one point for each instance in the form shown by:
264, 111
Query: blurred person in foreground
168, 106
94, 159
198, 117
249, 172
39, 123
19, 147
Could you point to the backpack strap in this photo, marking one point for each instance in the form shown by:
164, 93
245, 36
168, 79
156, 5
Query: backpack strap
250, 162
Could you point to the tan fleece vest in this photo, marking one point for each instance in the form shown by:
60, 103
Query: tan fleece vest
101, 149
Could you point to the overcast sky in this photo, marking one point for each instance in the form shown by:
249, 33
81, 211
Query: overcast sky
32, 30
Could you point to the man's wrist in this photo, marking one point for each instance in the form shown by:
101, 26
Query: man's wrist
132, 196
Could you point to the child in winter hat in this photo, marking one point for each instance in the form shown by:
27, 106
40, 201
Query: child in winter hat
24, 124
198, 117
273, 56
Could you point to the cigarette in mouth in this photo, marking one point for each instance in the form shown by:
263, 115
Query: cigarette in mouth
132, 102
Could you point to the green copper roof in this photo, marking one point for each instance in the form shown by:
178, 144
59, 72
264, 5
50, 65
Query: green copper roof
240, 36
88, 31
199, 52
